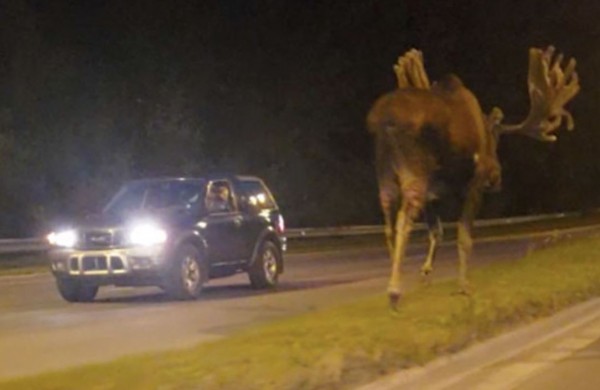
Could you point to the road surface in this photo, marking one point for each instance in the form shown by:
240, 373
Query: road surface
40, 332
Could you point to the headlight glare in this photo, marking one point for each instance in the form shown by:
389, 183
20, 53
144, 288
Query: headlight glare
66, 239
147, 234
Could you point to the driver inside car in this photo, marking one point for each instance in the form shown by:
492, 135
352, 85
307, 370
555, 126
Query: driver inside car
217, 198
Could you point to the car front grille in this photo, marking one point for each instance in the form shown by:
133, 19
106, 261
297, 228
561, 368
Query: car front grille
93, 263
100, 264
99, 239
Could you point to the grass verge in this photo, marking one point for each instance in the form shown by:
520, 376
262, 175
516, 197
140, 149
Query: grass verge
23, 263
356, 343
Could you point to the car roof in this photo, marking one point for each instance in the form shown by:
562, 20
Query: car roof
212, 176
166, 179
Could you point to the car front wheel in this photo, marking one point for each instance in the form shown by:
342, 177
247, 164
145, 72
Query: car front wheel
76, 291
264, 271
188, 274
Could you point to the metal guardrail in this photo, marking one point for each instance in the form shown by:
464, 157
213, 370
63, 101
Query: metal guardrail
16, 246
22, 245
344, 231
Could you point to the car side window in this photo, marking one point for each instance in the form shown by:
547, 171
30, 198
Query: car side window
219, 197
256, 195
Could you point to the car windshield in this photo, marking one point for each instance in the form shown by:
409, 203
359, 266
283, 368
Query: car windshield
156, 195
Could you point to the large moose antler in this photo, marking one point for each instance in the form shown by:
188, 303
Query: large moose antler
410, 71
550, 89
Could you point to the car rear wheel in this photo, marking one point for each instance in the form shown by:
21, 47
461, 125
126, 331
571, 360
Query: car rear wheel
76, 291
188, 274
264, 271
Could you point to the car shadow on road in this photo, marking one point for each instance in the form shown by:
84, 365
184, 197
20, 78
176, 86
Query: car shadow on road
220, 291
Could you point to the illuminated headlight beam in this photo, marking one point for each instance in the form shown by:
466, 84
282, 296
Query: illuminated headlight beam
66, 239
147, 234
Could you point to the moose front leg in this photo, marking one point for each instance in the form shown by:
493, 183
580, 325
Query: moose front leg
465, 240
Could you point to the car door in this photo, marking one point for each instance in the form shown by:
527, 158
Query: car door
257, 205
223, 224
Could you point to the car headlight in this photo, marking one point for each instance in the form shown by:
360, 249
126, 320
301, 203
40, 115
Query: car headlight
66, 238
147, 234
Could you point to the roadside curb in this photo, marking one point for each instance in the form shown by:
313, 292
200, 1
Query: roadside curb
445, 371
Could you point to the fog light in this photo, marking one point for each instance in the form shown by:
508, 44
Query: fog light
141, 262
59, 266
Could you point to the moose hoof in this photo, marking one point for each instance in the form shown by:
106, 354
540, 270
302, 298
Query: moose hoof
425, 279
465, 289
394, 298
426, 275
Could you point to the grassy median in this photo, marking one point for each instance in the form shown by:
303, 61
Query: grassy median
23, 264
359, 342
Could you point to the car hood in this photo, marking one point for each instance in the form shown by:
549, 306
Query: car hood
165, 217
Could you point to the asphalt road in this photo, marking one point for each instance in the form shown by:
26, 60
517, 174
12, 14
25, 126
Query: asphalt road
40, 332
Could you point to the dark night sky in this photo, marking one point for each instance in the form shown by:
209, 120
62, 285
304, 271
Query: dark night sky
337, 52
304, 73
327, 59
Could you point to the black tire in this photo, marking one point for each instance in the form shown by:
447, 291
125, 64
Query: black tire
75, 291
187, 274
265, 269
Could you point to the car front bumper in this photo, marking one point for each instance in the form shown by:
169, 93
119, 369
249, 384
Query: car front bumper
126, 266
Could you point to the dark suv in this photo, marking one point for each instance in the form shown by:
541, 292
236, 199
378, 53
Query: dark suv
173, 233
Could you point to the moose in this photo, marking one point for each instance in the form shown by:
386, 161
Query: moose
433, 141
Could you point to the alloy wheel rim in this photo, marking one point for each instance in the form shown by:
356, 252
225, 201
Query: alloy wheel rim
270, 265
191, 273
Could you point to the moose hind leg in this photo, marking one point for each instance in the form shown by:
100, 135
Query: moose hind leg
403, 228
435, 232
389, 198
412, 202
465, 240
